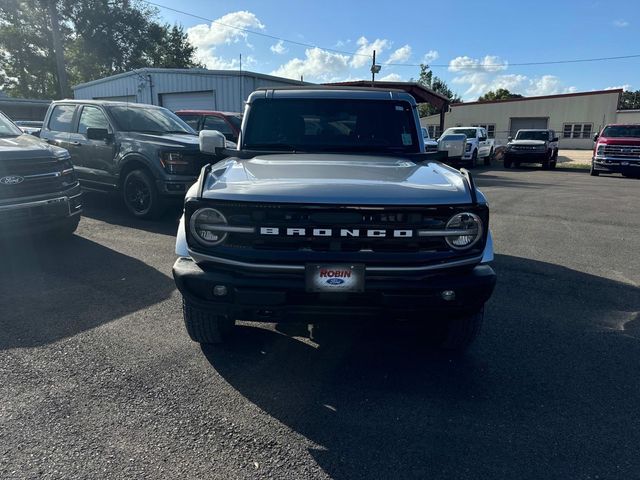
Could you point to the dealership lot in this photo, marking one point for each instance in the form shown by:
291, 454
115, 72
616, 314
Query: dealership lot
99, 378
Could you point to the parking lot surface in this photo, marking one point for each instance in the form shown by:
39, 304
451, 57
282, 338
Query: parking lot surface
98, 378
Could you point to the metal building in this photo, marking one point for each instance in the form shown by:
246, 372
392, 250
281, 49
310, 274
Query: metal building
175, 89
575, 117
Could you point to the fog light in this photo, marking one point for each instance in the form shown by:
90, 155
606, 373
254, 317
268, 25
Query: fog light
219, 291
448, 295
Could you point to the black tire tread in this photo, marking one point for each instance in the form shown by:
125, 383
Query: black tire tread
462, 331
203, 326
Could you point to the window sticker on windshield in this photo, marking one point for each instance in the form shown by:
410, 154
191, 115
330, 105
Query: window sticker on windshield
406, 139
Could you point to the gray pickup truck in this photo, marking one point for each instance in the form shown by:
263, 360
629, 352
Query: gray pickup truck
330, 211
39, 191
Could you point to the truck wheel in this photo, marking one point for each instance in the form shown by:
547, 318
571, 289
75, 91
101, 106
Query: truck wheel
487, 160
547, 161
474, 159
204, 326
593, 172
459, 333
141, 196
507, 163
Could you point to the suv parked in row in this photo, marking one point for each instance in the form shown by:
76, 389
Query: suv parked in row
478, 145
331, 211
532, 146
39, 190
617, 150
227, 123
142, 151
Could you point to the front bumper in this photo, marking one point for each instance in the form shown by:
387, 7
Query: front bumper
531, 156
617, 165
282, 297
39, 213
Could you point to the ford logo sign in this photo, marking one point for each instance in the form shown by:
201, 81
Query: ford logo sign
11, 180
335, 281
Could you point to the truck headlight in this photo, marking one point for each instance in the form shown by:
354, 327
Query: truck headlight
600, 150
467, 228
468, 147
174, 163
203, 225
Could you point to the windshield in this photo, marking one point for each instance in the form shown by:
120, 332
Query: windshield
148, 120
624, 131
7, 128
532, 135
469, 132
331, 125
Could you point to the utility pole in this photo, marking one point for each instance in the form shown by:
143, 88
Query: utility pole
374, 69
63, 83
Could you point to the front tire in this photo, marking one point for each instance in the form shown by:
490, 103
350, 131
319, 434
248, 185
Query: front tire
593, 172
141, 196
67, 228
474, 159
460, 332
487, 160
204, 326
507, 163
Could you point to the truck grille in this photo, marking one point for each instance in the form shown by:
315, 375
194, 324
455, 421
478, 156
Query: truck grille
330, 222
622, 151
37, 177
196, 162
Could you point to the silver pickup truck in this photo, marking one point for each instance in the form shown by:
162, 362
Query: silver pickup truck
330, 211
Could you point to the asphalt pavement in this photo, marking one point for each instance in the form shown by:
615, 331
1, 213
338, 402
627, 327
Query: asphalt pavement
98, 378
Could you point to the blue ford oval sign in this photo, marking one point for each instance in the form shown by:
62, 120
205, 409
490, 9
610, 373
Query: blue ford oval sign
335, 281
11, 180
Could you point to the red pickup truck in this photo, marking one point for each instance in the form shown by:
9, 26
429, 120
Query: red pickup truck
617, 150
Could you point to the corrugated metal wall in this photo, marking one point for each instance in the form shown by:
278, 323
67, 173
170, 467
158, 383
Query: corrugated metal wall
230, 90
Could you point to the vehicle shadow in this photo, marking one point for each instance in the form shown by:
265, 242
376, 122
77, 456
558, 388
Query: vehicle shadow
109, 208
53, 290
547, 392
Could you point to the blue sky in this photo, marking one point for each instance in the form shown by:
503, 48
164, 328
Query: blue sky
475, 42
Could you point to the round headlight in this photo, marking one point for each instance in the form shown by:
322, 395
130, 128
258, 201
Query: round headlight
469, 229
205, 226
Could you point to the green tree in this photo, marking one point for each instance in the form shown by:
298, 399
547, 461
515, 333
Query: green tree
427, 79
100, 38
499, 94
630, 100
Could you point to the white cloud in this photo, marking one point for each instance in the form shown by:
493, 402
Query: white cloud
430, 56
279, 48
490, 63
364, 53
620, 23
402, 54
481, 82
391, 77
626, 87
318, 65
207, 37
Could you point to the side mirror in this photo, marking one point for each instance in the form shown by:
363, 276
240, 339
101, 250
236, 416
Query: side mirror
509, 139
483, 139
98, 134
211, 141
595, 137
555, 139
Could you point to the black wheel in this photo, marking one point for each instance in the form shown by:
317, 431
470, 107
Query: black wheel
67, 228
204, 326
474, 159
555, 154
487, 160
141, 195
547, 161
507, 163
593, 172
460, 332
553, 164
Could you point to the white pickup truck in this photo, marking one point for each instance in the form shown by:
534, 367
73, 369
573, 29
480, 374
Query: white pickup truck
479, 146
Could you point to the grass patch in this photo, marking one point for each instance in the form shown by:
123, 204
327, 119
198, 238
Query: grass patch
575, 166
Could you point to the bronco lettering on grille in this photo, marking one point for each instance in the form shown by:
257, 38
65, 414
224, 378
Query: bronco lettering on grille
343, 232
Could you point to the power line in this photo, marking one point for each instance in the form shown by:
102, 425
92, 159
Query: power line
356, 54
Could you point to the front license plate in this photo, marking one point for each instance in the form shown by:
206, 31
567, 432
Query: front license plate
335, 278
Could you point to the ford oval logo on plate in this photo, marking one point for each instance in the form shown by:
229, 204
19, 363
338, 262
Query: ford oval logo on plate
11, 180
335, 281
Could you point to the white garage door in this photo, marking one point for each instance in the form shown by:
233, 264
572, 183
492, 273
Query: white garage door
529, 122
189, 101
122, 98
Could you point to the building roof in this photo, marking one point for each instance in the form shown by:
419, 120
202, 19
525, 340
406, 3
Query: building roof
188, 71
559, 95
421, 93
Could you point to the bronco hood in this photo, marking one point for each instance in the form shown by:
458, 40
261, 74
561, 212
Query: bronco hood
337, 179
27, 147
